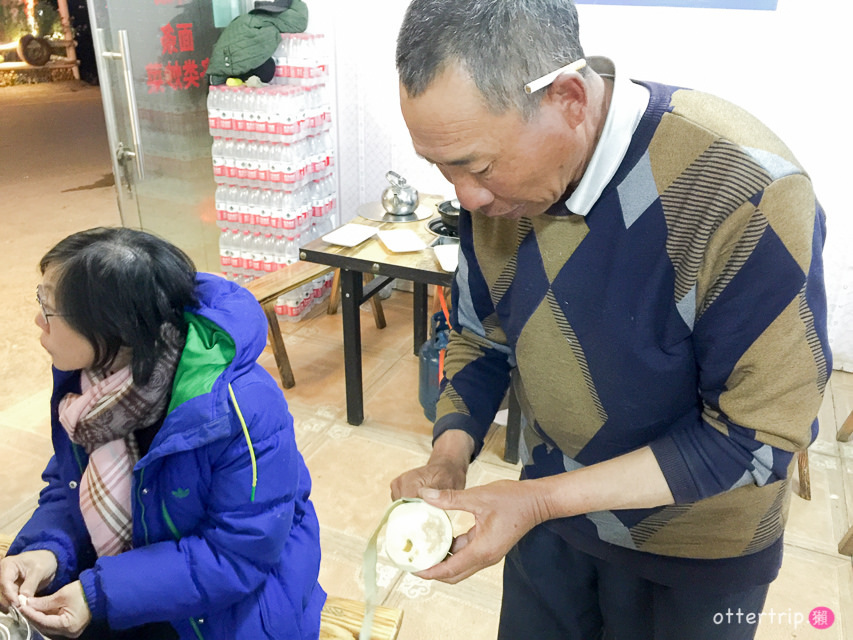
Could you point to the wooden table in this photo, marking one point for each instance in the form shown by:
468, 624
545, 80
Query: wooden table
371, 256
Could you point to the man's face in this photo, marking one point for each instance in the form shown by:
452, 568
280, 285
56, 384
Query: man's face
498, 164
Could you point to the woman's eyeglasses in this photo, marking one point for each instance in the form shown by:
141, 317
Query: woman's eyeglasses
44, 312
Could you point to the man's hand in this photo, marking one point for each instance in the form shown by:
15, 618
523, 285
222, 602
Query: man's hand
503, 512
25, 574
442, 474
64, 613
446, 469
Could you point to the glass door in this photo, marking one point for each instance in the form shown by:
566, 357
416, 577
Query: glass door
152, 59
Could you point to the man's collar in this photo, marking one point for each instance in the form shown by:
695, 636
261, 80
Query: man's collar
627, 105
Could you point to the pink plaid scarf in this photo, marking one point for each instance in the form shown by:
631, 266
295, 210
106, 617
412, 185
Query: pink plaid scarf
102, 419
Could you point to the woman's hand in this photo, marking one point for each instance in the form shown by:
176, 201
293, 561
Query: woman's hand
503, 512
64, 613
25, 574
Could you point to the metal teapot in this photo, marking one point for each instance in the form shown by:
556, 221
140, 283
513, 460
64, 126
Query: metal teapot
400, 199
14, 626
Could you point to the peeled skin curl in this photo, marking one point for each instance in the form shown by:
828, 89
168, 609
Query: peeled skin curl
417, 536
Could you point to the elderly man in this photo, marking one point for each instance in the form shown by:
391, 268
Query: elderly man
647, 260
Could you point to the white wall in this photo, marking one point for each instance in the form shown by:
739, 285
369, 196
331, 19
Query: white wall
790, 67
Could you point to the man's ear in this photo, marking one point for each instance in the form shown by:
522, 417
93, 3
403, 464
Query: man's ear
569, 94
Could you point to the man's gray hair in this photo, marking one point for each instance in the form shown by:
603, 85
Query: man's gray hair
502, 44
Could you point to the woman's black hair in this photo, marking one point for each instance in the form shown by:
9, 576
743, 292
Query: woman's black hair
117, 287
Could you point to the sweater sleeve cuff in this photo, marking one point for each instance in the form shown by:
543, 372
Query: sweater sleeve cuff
94, 597
674, 469
460, 422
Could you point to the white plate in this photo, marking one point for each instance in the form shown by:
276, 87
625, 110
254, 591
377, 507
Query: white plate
350, 234
401, 240
448, 256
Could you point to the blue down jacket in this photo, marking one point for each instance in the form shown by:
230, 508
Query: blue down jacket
226, 541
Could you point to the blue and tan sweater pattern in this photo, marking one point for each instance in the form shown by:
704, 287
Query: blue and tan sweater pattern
686, 312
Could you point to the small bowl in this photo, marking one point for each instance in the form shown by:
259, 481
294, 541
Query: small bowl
449, 211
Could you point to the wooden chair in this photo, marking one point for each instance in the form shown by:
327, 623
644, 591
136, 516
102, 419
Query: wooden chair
267, 290
845, 547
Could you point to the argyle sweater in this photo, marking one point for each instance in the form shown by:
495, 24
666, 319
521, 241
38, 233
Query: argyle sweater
686, 311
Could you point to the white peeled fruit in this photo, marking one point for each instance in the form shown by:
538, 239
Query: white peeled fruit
417, 536
22, 600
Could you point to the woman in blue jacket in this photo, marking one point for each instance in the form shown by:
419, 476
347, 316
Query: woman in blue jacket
177, 504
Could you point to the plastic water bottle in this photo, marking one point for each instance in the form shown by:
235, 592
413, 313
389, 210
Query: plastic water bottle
217, 151
291, 246
263, 162
293, 306
318, 290
280, 58
229, 161
232, 206
213, 109
240, 156
245, 211
237, 256
254, 208
276, 212
247, 254
250, 112
256, 250
220, 199
226, 252
266, 108
238, 100
280, 306
268, 249
226, 109
307, 297
265, 209
280, 250
252, 162
275, 166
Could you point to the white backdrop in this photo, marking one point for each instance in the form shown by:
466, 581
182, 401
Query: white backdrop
790, 67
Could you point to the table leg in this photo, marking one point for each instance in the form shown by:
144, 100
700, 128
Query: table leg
419, 311
351, 295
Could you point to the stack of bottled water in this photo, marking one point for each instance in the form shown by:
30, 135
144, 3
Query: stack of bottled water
294, 305
273, 162
300, 59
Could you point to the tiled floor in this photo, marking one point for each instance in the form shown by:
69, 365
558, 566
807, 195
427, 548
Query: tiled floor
351, 467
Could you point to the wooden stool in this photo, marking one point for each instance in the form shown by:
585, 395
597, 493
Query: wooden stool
267, 289
341, 620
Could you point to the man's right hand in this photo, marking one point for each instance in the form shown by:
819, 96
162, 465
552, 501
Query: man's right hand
446, 469
25, 574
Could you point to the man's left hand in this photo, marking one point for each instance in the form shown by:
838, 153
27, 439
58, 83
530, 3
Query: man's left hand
64, 613
503, 512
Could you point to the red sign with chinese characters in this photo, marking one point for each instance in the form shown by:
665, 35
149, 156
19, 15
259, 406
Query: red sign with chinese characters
175, 72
